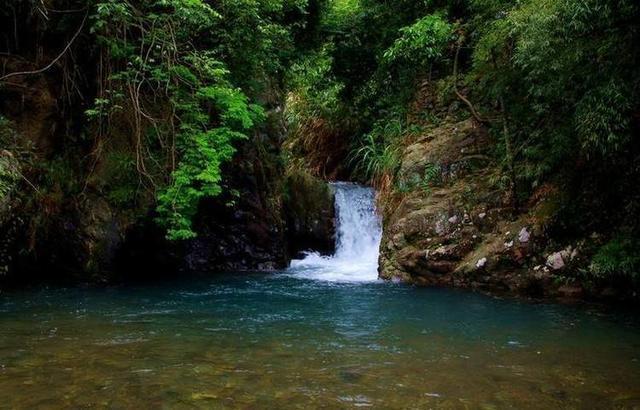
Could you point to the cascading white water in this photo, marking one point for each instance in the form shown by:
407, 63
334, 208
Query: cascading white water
358, 235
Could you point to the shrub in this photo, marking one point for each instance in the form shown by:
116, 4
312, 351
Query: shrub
619, 257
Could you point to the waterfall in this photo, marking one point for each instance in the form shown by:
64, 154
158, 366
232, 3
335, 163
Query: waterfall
358, 234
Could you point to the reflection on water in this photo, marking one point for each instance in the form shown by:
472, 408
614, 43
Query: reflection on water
275, 341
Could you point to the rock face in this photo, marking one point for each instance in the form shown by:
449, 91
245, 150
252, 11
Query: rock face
427, 229
449, 225
263, 219
89, 237
273, 217
244, 231
309, 214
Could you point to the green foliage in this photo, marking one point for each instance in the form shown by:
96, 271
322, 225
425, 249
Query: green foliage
316, 117
58, 176
120, 179
9, 165
179, 81
620, 257
372, 54
421, 43
9, 177
375, 159
566, 71
169, 79
314, 92
339, 12
7, 131
255, 38
378, 154
204, 150
431, 177
602, 119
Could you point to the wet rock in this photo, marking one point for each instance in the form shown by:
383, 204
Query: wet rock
204, 396
432, 231
555, 261
460, 233
609, 293
440, 267
251, 233
481, 263
102, 235
571, 291
309, 210
399, 240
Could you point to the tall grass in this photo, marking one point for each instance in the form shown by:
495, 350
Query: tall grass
376, 161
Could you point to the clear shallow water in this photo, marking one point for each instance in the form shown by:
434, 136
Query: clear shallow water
323, 334
276, 341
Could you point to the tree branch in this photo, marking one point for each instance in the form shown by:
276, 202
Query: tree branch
55, 60
472, 109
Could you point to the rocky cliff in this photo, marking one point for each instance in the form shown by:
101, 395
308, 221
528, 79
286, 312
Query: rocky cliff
71, 208
449, 222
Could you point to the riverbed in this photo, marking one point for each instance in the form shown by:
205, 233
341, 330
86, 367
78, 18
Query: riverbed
280, 341
325, 333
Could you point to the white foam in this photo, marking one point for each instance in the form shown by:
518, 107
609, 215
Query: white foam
358, 235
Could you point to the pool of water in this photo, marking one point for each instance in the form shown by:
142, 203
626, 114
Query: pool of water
280, 341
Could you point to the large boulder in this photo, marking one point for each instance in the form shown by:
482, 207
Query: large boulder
310, 214
244, 228
449, 225
427, 227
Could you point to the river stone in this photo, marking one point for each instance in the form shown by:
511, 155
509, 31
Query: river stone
555, 261
569, 291
481, 263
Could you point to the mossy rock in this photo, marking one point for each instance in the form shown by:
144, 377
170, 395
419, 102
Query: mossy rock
310, 213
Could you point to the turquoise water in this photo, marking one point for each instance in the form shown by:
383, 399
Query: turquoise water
276, 341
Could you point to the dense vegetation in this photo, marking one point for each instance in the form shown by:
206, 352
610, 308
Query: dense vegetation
168, 86
167, 89
555, 82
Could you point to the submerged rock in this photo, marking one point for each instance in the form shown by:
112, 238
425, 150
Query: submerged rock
571, 291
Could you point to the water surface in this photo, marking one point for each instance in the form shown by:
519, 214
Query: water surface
277, 341
324, 334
